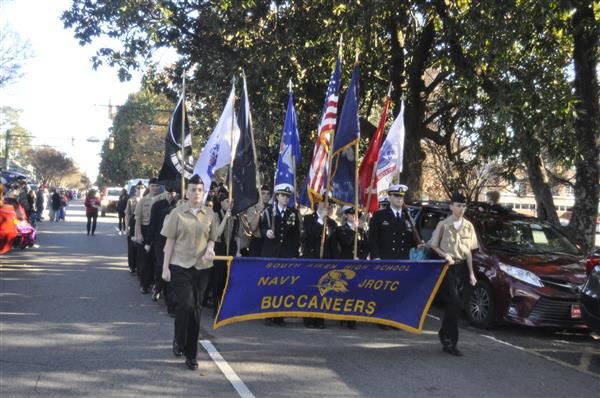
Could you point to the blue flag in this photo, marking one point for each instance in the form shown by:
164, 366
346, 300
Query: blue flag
289, 150
343, 164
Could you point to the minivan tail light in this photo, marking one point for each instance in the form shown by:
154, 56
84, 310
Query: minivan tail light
591, 262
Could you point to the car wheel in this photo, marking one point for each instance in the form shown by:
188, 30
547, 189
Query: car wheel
480, 306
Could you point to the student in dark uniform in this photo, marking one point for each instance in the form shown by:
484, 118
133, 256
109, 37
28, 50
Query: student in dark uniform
391, 230
159, 211
345, 235
280, 228
345, 238
311, 244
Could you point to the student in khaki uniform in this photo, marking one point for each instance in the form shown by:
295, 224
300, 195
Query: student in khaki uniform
191, 230
145, 256
130, 226
454, 239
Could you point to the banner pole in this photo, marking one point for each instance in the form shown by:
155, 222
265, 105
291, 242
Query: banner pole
356, 147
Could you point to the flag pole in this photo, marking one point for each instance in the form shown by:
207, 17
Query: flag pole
356, 172
374, 171
293, 157
257, 177
328, 186
231, 152
183, 135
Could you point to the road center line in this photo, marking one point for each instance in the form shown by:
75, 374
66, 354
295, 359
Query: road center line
228, 372
568, 365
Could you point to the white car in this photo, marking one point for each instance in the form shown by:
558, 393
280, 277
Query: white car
109, 199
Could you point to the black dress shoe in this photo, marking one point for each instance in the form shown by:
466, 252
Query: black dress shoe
191, 363
176, 349
156, 296
452, 351
131, 271
144, 290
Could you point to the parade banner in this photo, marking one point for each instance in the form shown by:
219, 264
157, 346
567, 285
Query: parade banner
388, 292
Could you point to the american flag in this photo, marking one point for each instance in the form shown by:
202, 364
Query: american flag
317, 173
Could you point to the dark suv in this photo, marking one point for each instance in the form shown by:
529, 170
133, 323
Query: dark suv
528, 272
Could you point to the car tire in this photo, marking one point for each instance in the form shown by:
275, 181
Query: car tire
479, 308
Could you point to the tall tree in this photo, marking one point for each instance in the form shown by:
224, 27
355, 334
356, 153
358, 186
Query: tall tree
51, 166
585, 31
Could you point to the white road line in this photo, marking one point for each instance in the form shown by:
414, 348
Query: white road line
568, 365
228, 372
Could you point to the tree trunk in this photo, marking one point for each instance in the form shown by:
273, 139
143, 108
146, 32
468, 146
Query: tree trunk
587, 125
539, 184
414, 114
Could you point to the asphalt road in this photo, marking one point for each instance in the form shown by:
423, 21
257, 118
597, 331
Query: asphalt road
74, 324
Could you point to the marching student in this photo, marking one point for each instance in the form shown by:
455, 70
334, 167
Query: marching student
311, 244
391, 230
454, 239
130, 226
249, 231
280, 227
145, 256
191, 230
159, 211
345, 235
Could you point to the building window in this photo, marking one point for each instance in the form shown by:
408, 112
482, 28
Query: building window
570, 190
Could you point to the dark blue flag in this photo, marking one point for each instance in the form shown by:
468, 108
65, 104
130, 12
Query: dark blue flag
343, 164
289, 150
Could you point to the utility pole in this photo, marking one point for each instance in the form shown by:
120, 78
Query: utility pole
6, 142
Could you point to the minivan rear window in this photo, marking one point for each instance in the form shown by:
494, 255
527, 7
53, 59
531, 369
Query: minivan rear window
522, 235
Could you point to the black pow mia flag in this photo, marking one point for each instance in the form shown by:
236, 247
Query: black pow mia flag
174, 164
244, 187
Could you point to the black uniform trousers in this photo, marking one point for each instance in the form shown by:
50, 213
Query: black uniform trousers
145, 262
453, 301
159, 284
131, 254
188, 286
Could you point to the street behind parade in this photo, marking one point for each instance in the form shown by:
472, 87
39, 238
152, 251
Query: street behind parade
73, 323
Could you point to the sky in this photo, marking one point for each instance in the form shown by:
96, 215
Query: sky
61, 96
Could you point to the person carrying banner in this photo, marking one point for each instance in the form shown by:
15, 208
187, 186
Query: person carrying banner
191, 231
454, 239
159, 211
311, 243
145, 256
130, 226
280, 227
391, 230
224, 246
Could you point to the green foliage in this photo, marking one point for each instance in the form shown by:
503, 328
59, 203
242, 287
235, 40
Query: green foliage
20, 138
